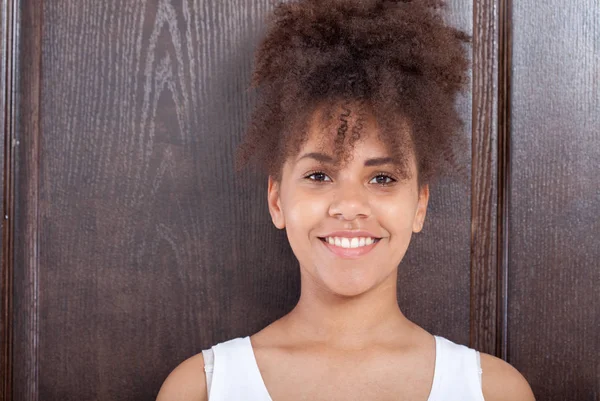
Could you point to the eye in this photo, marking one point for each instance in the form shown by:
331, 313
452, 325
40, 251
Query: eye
319, 176
383, 179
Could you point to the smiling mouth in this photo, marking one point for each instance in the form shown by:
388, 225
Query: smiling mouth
350, 243
350, 248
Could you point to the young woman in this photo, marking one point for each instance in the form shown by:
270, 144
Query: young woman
355, 118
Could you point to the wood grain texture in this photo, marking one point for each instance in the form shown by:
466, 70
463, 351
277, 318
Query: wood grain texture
554, 275
5, 268
484, 188
8, 74
152, 248
26, 302
503, 180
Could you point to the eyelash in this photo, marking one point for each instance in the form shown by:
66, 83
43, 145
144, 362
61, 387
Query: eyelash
380, 174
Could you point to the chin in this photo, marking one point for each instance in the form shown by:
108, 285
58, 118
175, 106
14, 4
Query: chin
348, 292
347, 284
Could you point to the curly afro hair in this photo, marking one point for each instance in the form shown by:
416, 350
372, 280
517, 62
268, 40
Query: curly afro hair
396, 60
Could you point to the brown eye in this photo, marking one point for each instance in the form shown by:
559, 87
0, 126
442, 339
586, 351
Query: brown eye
318, 176
383, 179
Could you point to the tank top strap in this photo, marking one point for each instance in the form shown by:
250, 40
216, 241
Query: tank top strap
235, 374
457, 373
209, 358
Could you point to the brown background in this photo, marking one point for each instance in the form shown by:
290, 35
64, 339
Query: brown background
129, 243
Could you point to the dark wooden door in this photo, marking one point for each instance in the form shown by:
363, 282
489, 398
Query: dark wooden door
130, 244
554, 256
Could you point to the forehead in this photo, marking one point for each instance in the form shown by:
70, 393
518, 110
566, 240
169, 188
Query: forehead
348, 131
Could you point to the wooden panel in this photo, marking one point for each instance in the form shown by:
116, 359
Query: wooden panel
484, 188
26, 344
554, 298
151, 247
7, 109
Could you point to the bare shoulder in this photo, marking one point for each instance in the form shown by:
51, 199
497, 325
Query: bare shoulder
187, 382
502, 382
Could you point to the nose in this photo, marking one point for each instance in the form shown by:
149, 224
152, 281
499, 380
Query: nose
350, 201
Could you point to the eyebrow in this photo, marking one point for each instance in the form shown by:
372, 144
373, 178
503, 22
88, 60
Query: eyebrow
323, 158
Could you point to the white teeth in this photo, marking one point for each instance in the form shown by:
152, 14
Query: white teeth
354, 242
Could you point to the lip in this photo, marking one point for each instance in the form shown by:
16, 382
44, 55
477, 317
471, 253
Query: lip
349, 253
350, 234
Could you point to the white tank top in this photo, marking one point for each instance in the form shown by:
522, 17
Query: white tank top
232, 372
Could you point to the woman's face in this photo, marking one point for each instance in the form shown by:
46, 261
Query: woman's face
349, 226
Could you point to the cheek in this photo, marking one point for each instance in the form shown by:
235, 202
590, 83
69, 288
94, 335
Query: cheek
396, 216
303, 216
303, 212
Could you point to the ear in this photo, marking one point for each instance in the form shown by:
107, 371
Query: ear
274, 201
421, 208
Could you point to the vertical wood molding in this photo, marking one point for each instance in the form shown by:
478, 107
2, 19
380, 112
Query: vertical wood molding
490, 175
8, 79
504, 114
484, 186
25, 363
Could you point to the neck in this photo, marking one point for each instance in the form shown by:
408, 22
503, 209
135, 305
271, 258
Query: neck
321, 316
